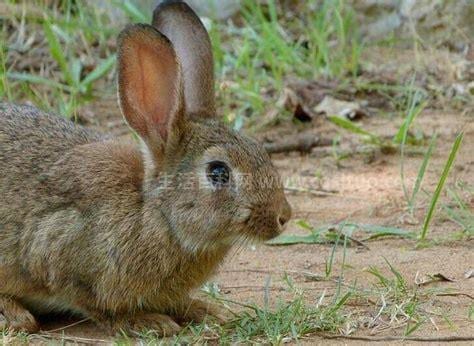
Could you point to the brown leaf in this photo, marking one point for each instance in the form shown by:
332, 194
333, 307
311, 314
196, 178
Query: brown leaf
431, 278
293, 103
331, 106
469, 274
302, 113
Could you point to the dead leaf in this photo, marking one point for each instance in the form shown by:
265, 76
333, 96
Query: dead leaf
302, 113
312, 92
431, 278
469, 274
309, 277
290, 101
348, 110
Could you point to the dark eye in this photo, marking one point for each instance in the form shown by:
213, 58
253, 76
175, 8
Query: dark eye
218, 173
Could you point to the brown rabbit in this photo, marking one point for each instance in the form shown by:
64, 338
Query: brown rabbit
124, 233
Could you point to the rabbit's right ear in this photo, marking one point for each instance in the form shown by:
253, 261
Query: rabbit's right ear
149, 83
177, 21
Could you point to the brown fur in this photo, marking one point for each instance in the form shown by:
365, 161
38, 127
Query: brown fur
88, 223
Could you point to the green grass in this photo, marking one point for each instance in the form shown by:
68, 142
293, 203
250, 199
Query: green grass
458, 209
76, 38
262, 54
419, 178
439, 187
253, 59
288, 321
400, 303
392, 301
416, 104
283, 321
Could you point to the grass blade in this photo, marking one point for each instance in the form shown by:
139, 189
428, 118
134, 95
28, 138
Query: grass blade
439, 187
376, 272
421, 171
402, 134
414, 111
330, 261
400, 280
29, 78
322, 236
348, 125
76, 70
57, 53
291, 239
99, 71
132, 11
340, 303
411, 328
460, 213
4, 85
384, 231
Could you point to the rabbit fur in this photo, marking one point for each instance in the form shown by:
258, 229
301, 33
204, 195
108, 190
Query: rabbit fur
124, 232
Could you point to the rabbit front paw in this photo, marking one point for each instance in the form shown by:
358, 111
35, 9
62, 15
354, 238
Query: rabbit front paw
14, 317
199, 310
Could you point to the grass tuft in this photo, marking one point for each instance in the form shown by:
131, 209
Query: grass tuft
458, 210
287, 321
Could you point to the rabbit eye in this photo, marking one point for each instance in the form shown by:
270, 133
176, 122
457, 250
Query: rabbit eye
218, 173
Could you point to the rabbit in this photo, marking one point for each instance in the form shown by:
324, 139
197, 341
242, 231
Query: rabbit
124, 231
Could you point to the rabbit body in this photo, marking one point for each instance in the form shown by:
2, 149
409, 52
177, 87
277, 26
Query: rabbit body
124, 232
74, 235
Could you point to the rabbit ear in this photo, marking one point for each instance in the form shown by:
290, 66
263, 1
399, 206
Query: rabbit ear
149, 83
182, 26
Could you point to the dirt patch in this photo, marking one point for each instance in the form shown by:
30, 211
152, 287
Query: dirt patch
368, 194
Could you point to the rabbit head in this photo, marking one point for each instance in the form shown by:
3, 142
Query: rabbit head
211, 185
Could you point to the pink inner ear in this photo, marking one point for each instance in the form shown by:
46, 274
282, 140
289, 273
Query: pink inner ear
156, 88
149, 82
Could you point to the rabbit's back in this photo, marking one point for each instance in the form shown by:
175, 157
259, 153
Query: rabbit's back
30, 142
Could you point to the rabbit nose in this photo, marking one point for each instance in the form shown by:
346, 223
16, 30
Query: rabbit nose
285, 214
282, 221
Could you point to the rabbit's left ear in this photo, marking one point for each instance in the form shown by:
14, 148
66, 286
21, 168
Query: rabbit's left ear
192, 44
149, 84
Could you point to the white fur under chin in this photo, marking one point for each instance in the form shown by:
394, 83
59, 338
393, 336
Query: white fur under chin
198, 247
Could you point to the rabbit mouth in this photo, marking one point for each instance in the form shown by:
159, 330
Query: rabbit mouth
263, 226
269, 234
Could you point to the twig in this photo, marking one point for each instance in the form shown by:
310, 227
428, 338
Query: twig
352, 239
271, 288
400, 338
253, 288
314, 192
359, 243
64, 337
302, 143
454, 294
68, 326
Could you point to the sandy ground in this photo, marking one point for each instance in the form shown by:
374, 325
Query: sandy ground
369, 194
